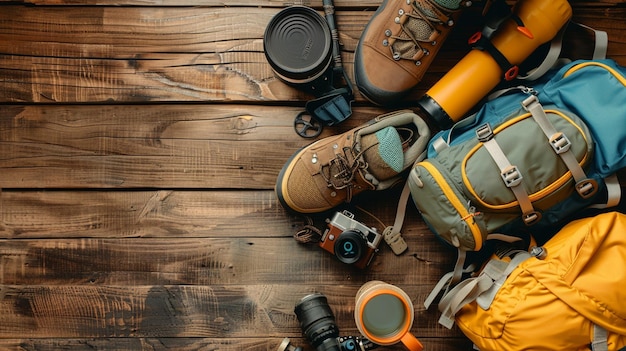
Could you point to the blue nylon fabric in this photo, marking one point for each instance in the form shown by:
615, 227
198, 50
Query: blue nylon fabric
599, 99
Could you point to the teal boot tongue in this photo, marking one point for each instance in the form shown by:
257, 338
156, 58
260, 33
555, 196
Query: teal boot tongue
383, 153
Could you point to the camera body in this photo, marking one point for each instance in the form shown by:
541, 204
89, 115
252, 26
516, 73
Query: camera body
351, 241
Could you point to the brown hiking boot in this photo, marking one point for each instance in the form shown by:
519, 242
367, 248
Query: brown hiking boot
332, 170
398, 45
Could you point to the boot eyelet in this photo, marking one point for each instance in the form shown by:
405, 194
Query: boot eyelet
397, 19
385, 42
396, 56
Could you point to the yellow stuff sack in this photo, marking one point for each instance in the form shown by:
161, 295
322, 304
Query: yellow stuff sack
569, 294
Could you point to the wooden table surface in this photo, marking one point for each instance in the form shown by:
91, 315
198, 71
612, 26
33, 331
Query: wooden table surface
140, 141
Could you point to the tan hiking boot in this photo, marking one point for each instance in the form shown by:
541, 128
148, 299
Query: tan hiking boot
398, 45
332, 170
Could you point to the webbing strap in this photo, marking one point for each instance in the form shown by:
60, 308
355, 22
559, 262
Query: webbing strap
485, 299
602, 42
401, 210
493, 275
554, 52
439, 143
449, 279
614, 192
562, 147
553, 57
600, 339
510, 174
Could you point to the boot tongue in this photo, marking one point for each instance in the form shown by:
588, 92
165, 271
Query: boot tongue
383, 153
421, 27
449, 4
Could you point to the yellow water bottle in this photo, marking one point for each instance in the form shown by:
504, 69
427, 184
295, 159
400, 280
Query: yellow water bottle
532, 23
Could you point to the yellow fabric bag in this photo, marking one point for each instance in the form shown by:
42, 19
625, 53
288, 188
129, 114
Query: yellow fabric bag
571, 297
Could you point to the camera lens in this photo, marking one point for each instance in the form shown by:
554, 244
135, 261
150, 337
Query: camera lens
318, 322
349, 246
348, 345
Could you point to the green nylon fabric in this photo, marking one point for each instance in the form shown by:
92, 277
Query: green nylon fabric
474, 177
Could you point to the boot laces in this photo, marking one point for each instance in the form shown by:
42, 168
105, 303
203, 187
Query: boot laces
418, 27
340, 172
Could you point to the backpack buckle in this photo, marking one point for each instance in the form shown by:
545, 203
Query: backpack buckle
484, 133
511, 176
531, 218
560, 143
586, 188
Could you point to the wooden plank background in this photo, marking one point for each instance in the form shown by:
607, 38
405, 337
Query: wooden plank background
140, 142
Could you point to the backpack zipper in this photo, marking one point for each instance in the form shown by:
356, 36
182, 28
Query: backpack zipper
615, 73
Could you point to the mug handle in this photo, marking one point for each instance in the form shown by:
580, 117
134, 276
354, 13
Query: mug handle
411, 342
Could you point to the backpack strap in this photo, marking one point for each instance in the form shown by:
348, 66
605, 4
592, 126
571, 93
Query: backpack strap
392, 234
585, 186
510, 174
601, 42
449, 279
614, 193
486, 284
600, 339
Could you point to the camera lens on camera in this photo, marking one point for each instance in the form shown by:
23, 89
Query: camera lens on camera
318, 322
350, 246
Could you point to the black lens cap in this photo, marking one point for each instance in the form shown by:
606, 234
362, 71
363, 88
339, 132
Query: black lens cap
298, 44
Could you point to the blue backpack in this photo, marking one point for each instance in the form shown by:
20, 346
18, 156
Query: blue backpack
529, 159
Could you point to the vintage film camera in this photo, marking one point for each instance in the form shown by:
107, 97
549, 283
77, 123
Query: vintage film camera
352, 242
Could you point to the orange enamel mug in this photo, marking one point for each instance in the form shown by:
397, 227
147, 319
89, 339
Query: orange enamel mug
384, 314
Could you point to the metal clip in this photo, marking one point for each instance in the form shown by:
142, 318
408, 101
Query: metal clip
529, 91
484, 133
511, 176
531, 218
586, 188
560, 143
539, 251
532, 99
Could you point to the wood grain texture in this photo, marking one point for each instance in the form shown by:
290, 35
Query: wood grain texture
137, 54
233, 311
140, 141
201, 344
315, 3
168, 146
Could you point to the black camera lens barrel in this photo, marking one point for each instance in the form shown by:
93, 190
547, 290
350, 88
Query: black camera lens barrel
318, 322
350, 246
